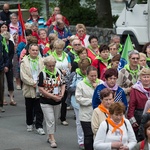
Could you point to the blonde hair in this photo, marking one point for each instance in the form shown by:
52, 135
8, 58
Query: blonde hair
142, 55
49, 59
80, 26
53, 36
28, 25
73, 37
60, 43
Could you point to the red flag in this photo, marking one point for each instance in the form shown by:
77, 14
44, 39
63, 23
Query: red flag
21, 31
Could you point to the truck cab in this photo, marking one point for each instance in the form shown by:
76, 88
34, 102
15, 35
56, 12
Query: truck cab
135, 21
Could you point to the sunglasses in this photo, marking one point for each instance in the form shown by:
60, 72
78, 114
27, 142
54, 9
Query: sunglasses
77, 44
135, 58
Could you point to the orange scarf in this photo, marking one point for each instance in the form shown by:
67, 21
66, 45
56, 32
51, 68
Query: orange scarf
148, 111
116, 126
103, 109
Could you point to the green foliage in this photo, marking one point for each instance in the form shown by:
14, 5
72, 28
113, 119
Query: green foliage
27, 4
77, 13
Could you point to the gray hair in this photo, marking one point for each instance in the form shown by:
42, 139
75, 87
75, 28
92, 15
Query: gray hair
75, 40
13, 15
49, 59
133, 52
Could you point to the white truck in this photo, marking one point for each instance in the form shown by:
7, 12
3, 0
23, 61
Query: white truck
135, 21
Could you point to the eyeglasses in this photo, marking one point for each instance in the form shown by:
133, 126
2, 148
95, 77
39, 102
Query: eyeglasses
135, 58
81, 31
77, 44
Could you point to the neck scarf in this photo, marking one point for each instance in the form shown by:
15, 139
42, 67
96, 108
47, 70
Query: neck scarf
148, 111
81, 38
134, 73
58, 58
88, 83
147, 58
78, 71
103, 60
116, 126
103, 109
34, 63
115, 88
92, 51
50, 73
61, 32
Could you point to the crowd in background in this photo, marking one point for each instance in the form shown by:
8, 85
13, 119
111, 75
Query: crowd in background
56, 70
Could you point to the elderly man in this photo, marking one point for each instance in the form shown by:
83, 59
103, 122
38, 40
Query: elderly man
52, 19
34, 17
130, 73
5, 14
62, 32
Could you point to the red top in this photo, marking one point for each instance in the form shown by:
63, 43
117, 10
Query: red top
35, 34
101, 68
91, 55
137, 101
52, 19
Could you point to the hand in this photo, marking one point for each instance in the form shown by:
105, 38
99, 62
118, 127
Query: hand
116, 145
64, 72
57, 98
94, 85
124, 148
61, 95
5, 69
34, 85
135, 125
128, 90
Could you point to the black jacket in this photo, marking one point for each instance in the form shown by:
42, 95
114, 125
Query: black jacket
5, 16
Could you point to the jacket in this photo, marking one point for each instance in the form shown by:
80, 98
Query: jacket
4, 58
26, 76
120, 96
137, 146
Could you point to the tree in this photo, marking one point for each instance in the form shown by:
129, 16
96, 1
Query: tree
47, 9
103, 9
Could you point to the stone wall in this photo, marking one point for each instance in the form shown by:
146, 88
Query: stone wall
103, 34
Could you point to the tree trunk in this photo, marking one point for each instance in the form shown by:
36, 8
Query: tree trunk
103, 9
47, 9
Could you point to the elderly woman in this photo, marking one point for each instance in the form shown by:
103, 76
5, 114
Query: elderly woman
116, 130
111, 76
101, 112
64, 64
93, 48
83, 94
30, 67
139, 94
52, 87
81, 33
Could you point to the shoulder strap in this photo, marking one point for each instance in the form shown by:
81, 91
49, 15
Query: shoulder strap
142, 145
107, 126
125, 125
98, 69
44, 75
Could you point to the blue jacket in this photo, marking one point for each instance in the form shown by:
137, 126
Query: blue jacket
120, 96
66, 33
4, 59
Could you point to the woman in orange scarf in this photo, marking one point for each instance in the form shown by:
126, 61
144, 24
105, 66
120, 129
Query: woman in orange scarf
115, 133
101, 112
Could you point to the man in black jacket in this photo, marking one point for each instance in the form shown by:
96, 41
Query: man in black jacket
5, 14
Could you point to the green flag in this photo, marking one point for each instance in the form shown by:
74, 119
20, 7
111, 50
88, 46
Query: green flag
124, 57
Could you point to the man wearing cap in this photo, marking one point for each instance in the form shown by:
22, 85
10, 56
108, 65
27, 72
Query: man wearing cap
130, 73
5, 14
34, 17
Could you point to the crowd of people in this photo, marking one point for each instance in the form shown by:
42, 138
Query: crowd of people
56, 69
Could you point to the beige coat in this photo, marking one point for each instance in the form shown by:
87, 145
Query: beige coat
27, 79
97, 117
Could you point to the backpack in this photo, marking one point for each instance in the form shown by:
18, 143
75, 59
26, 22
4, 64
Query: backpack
108, 126
70, 79
142, 145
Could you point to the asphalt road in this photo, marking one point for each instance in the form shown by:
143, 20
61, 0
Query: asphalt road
13, 134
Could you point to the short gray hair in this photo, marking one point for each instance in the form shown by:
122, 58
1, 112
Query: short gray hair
49, 59
133, 52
